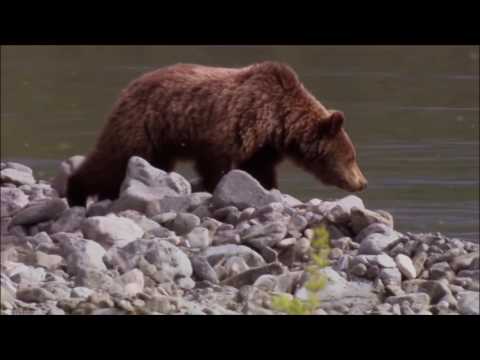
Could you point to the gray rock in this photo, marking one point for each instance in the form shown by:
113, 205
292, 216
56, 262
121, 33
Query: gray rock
34, 295
39, 211
203, 270
11, 201
375, 228
17, 177
183, 203
199, 238
146, 224
214, 254
22, 274
81, 253
340, 212
69, 221
183, 223
359, 269
417, 301
67, 168
19, 167
361, 218
264, 234
111, 230
441, 270
468, 303
241, 190
419, 261
98, 280
464, 262
376, 243
437, 290
290, 201
223, 237
391, 276
406, 267
382, 260
144, 184
248, 277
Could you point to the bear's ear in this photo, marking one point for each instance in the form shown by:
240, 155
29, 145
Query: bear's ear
334, 123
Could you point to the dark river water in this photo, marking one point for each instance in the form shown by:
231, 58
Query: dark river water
412, 112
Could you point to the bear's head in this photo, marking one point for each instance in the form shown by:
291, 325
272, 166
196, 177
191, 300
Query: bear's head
330, 155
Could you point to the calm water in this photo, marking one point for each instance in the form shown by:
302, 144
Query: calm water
413, 113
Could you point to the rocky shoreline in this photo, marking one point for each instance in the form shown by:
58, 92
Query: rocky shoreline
164, 248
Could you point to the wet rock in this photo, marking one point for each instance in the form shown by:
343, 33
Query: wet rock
406, 267
67, 168
111, 230
377, 243
39, 211
468, 303
199, 238
183, 223
144, 184
34, 295
11, 201
17, 177
69, 221
252, 195
216, 253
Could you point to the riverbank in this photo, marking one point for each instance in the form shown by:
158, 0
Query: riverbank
163, 248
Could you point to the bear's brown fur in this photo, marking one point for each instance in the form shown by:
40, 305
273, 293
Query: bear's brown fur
247, 118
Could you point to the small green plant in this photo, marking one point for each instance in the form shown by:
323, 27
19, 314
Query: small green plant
319, 250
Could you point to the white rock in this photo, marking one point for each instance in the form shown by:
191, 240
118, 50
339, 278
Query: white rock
134, 282
406, 267
199, 238
111, 230
12, 200
17, 177
81, 292
81, 253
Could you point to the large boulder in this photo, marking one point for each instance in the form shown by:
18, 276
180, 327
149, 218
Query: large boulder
144, 184
241, 190
39, 211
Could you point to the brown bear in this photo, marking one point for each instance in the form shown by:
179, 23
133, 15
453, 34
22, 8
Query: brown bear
222, 118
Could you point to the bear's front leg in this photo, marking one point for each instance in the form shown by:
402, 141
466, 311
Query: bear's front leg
262, 167
211, 169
